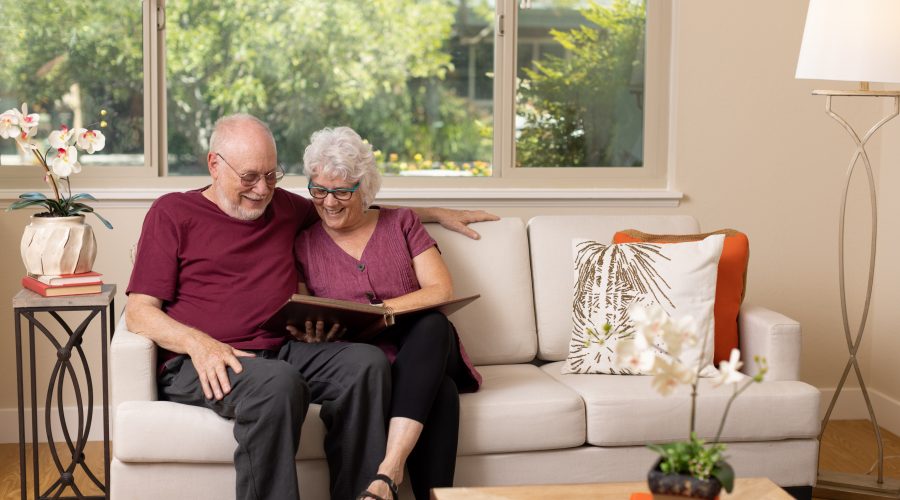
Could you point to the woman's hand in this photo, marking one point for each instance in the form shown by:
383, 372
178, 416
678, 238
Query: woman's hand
314, 334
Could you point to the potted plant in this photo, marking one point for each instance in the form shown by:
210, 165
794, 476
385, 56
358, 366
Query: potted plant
57, 241
690, 468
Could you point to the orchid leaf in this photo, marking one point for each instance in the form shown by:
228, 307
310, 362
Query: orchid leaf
725, 474
25, 203
82, 196
109, 226
33, 196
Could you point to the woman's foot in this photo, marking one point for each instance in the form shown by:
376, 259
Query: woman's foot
381, 488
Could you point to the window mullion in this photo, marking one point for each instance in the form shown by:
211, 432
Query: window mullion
504, 87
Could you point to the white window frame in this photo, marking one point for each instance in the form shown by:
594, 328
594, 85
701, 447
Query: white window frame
649, 185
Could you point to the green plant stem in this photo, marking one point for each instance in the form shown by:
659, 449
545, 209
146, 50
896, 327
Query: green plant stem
50, 180
696, 382
734, 396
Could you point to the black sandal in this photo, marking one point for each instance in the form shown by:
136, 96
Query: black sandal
395, 495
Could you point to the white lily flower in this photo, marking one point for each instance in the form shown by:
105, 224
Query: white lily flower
89, 140
729, 370
9, 124
61, 139
66, 162
670, 374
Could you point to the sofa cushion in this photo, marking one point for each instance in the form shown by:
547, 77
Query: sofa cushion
496, 266
550, 240
612, 279
625, 410
519, 408
511, 412
731, 281
162, 431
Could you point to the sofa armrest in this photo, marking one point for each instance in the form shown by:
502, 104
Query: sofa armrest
771, 335
132, 366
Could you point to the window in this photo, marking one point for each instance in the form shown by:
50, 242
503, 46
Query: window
68, 62
499, 90
580, 85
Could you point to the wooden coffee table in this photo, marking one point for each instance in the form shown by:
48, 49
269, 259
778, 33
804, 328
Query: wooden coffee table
744, 489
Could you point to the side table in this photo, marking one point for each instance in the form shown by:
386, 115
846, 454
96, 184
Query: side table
71, 366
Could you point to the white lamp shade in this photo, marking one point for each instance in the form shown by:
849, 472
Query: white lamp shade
851, 40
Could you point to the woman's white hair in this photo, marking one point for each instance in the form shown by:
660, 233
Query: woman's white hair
341, 153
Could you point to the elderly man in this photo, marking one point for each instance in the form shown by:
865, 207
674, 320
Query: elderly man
211, 265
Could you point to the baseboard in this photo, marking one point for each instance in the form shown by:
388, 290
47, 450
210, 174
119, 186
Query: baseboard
9, 425
852, 406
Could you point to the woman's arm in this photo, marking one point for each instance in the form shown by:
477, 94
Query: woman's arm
434, 278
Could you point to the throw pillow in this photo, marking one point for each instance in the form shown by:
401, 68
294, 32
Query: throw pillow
731, 280
680, 277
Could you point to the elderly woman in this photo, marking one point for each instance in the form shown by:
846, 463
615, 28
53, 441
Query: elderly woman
363, 253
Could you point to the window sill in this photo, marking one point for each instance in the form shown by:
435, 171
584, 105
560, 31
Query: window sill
451, 197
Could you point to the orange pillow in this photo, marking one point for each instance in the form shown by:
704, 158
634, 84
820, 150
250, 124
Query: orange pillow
731, 280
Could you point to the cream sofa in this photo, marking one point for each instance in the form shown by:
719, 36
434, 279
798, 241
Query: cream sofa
528, 424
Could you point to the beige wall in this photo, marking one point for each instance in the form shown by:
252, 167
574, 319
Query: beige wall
751, 150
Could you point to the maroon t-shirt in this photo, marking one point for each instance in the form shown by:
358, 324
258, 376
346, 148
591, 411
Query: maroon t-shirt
220, 275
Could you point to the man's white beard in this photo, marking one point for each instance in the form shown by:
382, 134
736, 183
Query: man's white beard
237, 211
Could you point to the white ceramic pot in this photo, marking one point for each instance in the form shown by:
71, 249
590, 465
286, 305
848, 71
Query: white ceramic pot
58, 245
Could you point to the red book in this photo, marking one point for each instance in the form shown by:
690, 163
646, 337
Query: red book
88, 278
46, 290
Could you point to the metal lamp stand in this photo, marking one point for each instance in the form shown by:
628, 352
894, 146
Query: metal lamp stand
833, 485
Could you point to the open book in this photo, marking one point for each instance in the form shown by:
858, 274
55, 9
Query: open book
362, 321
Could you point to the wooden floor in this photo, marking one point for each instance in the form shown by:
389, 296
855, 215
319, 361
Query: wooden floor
848, 446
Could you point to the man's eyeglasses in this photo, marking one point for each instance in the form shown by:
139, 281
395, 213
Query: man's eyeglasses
250, 179
320, 193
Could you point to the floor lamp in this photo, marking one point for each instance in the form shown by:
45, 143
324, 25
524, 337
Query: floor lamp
857, 41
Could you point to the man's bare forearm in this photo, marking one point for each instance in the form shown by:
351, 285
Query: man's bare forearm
145, 318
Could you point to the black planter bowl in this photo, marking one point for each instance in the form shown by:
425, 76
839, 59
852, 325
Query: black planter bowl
681, 485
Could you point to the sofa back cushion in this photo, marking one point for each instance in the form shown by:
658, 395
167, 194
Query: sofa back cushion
550, 240
499, 327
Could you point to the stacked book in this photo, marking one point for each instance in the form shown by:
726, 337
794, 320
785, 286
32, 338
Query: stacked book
65, 284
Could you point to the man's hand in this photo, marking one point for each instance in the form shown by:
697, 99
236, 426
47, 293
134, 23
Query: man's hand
211, 358
314, 334
459, 220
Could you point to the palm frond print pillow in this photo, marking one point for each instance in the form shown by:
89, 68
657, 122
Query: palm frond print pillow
680, 277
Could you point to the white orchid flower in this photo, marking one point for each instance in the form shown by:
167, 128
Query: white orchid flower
27, 122
636, 354
90, 141
66, 162
62, 138
648, 320
679, 333
23, 142
670, 374
9, 124
729, 371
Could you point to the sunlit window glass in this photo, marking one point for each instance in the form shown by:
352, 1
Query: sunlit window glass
415, 78
580, 95
69, 61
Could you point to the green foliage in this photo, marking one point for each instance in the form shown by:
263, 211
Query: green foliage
696, 459
375, 66
579, 110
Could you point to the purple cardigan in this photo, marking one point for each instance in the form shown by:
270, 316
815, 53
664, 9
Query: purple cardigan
383, 271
